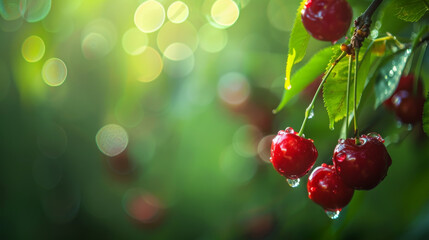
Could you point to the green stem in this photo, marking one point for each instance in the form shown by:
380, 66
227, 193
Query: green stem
356, 130
349, 79
310, 107
419, 67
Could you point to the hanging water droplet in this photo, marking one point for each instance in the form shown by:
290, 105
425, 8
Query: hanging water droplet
293, 182
333, 214
410, 127
311, 114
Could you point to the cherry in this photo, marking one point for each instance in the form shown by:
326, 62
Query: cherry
327, 20
362, 166
408, 108
405, 83
326, 188
291, 155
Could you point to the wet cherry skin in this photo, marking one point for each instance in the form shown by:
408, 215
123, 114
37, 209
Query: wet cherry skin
291, 155
327, 20
327, 189
362, 166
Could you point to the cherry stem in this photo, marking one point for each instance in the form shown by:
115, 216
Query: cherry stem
356, 130
370, 10
362, 25
310, 107
349, 78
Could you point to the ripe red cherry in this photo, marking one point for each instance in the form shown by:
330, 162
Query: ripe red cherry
327, 20
362, 166
408, 107
405, 83
327, 189
291, 155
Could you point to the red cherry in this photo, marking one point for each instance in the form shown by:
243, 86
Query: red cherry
327, 20
291, 155
405, 83
362, 166
327, 189
408, 107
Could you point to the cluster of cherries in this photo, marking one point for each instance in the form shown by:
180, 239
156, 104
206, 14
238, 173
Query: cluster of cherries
359, 163
356, 166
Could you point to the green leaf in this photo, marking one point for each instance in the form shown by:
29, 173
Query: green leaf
335, 88
410, 10
425, 119
305, 75
298, 42
388, 75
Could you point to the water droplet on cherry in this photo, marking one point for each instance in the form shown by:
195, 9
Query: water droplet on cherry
333, 214
341, 157
293, 182
289, 130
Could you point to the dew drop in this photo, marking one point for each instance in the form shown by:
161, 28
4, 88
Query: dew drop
341, 157
333, 214
311, 114
289, 130
391, 73
293, 182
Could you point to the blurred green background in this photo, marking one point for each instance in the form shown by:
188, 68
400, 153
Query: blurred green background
152, 119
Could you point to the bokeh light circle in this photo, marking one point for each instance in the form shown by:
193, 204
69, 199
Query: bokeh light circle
33, 49
94, 45
178, 12
177, 51
98, 38
9, 9
233, 88
134, 41
212, 39
148, 65
35, 10
142, 207
54, 72
173, 33
112, 140
224, 13
264, 148
149, 16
